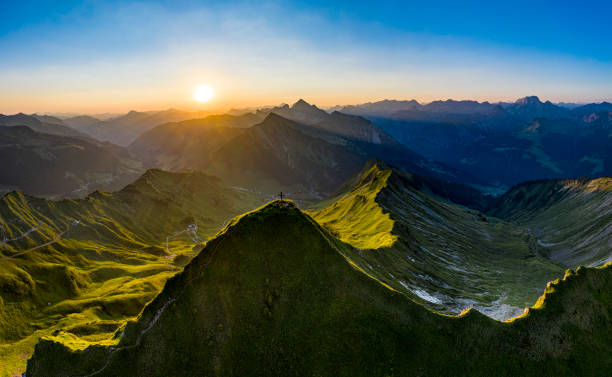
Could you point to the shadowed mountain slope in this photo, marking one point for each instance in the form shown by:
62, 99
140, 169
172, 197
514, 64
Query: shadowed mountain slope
572, 219
279, 154
41, 124
77, 269
308, 154
301, 112
309, 161
274, 294
45, 164
356, 128
189, 144
505, 155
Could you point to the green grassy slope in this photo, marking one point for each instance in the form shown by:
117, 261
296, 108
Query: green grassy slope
571, 219
439, 253
273, 294
77, 269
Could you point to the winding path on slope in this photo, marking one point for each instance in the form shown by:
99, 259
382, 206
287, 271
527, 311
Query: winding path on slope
58, 236
24, 235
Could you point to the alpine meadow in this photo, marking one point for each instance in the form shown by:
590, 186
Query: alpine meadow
321, 188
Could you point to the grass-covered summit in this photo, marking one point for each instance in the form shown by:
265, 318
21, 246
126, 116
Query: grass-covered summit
277, 294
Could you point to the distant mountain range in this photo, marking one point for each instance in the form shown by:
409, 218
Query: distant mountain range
44, 124
125, 129
503, 144
526, 108
305, 151
65, 166
490, 146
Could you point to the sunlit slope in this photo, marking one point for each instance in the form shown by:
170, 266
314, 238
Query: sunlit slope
275, 295
447, 256
78, 268
572, 219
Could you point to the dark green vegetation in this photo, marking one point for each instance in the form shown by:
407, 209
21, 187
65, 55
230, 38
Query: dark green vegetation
44, 164
572, 219
409, 235
76, 270
273, 294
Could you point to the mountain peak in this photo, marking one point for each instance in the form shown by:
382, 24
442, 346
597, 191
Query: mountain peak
529, 100
301, 104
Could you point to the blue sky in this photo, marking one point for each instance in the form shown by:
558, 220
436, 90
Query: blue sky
95, 56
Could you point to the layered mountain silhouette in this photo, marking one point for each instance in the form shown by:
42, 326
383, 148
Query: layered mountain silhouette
529, 108
124, 129
313, 160
189, 144
310, 158
384, 108
43, 124
80, 122
504, 144
48, 164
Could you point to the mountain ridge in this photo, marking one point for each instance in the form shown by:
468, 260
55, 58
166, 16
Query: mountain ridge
280, 336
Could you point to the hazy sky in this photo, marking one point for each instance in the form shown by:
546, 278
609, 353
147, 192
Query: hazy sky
99, 56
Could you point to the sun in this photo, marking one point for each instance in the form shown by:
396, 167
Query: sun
203, 93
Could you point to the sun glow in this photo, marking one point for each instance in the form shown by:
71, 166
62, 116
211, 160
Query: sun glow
203, 93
